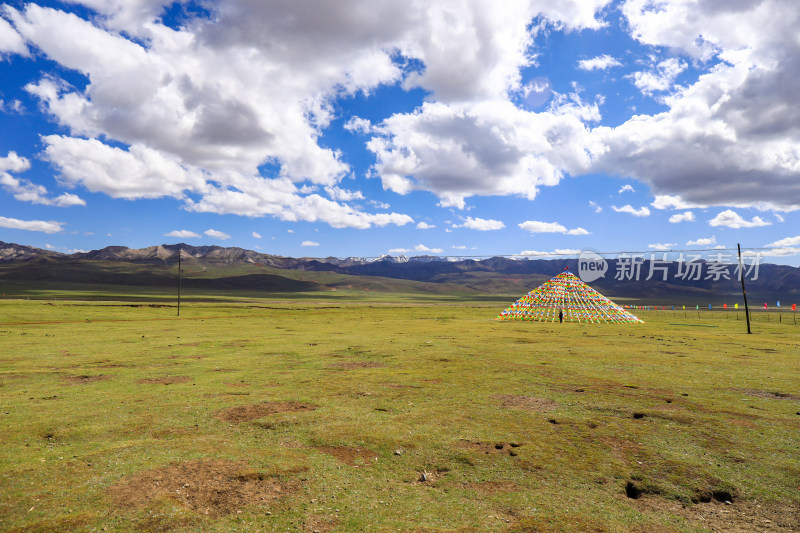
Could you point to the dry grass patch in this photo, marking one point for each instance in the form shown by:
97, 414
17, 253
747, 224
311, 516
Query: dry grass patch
165, 380
739, 517
247, 413
530, 403
84, 379
212, 487
348, 455
351, 365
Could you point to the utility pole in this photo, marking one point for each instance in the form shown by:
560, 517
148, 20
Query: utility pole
744, 291
179, 281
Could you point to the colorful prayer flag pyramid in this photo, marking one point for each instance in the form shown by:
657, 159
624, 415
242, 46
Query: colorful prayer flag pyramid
568, 293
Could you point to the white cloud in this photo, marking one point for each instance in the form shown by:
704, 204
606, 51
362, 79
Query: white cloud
626, 188
602, 62
309, 243
481, 224
32, 225
535, 226
399, 251
358, 125
730, 138
486, 148
703, 242
425, 225
11, 42
14, 106
732, 219
423, 248
556, 252
627, 208
217, 234
184, 234
198, 110
788, 241
660, 79
779, 217
289, 231
256, 235
24, 190
666, 201
661, 246
597, 208
343, 195
686, 216
459, 247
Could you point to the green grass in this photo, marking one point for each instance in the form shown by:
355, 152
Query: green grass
431, 378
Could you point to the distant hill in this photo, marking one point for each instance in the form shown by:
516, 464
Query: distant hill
222, 268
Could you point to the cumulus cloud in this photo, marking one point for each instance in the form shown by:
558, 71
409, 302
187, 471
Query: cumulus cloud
686, 216
485, 148
659, 79
535, 226
309, 243
183, 234
731, 137
481, 224
24, 190
602, 62
358, 125
197, 111
399, 251
425, 225
627, 208
50, 226
666, 201
703, 242
661, 246
256, 235
217, 234
423, 248
626, 188
343, 195
732, 219
11, 42
788, 241
597, 208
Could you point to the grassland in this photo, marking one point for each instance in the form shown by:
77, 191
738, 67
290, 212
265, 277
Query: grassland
328, 413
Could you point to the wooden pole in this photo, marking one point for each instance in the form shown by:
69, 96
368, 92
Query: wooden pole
744, 291
179, 281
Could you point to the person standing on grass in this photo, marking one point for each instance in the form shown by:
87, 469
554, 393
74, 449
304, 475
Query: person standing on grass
560, 316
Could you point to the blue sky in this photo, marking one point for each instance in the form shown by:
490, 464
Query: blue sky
366, 127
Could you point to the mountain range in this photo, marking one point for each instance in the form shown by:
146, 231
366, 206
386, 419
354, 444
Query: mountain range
237, 268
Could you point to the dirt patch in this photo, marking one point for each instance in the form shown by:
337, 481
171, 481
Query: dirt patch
237, 384
320, 523
530, 403
350, 365
246, 413
165, 380
492, 486
351, 456
775, 395
83, 379
208, 487
490, 447
224, 370
740, 517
